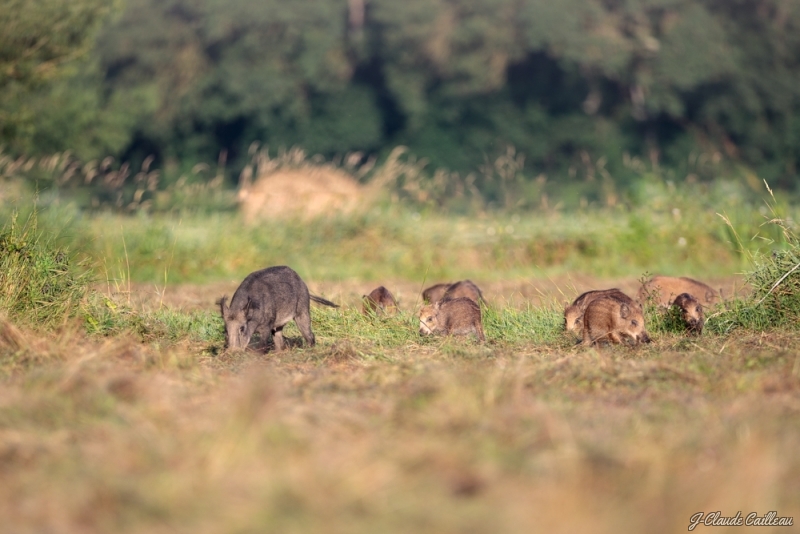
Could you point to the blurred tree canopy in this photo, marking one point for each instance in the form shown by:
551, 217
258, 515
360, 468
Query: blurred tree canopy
39, 42
567, 82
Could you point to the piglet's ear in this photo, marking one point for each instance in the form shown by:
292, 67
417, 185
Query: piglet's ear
624, 311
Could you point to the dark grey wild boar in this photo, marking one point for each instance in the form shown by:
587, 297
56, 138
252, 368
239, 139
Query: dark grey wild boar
573, 313
380, 300
434, 293
264, 302
613, 320
459, 316
463, 288
691, 312
663, 290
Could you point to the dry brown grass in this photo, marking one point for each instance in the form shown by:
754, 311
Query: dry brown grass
113, 435
292, 186
303, 193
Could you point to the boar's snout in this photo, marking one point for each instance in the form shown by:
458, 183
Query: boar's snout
695, 326
428, 319
237, 334
424, 329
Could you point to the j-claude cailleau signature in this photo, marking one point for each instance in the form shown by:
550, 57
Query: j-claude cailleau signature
716, 519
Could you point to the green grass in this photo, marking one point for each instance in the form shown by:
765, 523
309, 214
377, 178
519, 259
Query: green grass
774, 276
41, 283
107, 317
103, 316
188, 233
659, 226
397, 242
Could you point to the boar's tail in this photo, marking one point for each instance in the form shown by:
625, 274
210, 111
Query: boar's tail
320, 300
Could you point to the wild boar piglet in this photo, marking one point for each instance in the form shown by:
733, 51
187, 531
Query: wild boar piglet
464, 288
612, 320
573, 313
460, 316
434, 293
662, 290
380, 300
691, 312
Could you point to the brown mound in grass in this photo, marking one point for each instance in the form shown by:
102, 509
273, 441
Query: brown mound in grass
306, 193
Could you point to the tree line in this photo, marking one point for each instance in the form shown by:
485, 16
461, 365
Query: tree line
697, 86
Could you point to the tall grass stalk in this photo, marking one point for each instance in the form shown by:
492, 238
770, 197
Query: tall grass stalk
774, 278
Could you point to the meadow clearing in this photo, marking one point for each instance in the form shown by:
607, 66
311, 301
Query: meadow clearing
124, 412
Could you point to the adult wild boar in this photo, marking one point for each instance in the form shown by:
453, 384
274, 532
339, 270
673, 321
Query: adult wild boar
459, 316
612, 320
573, 313
380, 300
264, 302
663, 290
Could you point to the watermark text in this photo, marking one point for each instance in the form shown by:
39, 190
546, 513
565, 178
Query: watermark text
716, 519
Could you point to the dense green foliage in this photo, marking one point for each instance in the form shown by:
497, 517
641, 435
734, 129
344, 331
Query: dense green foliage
577, 86
39, 43
40, 284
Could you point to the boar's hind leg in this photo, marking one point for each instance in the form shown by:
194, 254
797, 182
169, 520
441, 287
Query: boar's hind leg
277, 338
614, 337
303, 322
479, 334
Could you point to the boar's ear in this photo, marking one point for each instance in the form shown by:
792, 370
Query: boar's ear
710, 296
624, 311
251, 305
223, 306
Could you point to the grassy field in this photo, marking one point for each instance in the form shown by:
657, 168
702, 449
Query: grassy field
376, 429
661, 228
130, 415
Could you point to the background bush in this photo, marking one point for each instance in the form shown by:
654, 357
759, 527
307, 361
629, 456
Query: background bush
579, 87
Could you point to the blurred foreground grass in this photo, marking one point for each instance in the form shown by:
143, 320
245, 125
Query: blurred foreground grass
377, 430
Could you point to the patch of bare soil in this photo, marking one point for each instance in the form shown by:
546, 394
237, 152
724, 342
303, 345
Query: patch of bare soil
518, 293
